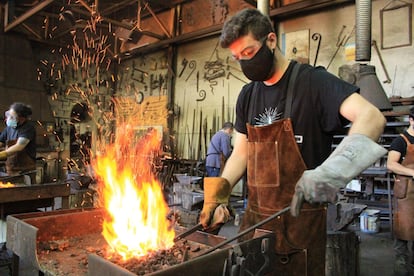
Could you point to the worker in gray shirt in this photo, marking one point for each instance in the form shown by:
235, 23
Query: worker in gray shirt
219, 150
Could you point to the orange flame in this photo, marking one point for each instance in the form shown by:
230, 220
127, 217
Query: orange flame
136, 221
6, 185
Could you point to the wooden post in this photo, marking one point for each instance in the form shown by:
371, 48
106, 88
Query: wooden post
342, 253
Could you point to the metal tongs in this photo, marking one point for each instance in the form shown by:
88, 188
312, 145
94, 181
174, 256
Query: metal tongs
227, 241
188, 232
244, 232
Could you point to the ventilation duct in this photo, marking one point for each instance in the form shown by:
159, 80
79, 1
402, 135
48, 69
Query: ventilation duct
363, 30
364, 75
371, 88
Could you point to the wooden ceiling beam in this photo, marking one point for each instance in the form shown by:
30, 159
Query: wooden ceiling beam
121, 24
116, 7
86, 6
19, 20
30, 30
166, 32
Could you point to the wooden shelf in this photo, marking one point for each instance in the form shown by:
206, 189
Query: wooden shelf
397, 124
395, 113
396, 101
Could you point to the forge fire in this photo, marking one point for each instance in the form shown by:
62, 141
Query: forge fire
136, 221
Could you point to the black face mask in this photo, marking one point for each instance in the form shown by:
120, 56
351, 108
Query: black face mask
259, 67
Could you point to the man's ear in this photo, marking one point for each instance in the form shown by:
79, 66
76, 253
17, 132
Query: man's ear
272, 40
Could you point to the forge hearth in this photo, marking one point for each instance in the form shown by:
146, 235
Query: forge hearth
69, 242
59, 242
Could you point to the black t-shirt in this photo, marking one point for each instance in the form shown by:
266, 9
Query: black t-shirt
317, 97
27, 130
399, 144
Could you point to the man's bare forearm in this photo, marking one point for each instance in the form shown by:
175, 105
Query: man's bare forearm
234, 169
370, 123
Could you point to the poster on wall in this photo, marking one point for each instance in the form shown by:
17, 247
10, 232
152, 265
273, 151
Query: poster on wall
150, 112
396, 33
296, 45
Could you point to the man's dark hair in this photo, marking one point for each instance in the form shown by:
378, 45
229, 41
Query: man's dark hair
411, 114
228, 125
21, 109
244, 22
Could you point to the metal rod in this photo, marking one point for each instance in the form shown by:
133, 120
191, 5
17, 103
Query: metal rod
188, 232
388, 80
251, 228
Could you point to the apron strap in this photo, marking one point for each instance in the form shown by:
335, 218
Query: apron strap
289, 96
406, 139
252, 99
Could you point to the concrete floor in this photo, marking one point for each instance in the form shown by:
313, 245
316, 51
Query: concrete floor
376, 256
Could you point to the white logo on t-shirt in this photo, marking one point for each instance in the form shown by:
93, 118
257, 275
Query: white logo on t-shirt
299, 139
269, 116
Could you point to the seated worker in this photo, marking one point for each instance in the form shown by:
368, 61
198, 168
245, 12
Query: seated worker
19, 139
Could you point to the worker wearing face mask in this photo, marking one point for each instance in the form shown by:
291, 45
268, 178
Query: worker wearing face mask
285, 119
18, 138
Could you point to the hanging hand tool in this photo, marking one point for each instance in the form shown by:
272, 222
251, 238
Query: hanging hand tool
198, 79
236, 77
184, 64
341, 42
317, 37
192, 65
203, 94
388, 80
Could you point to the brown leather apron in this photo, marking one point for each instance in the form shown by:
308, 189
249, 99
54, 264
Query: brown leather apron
274, 166
403, 224
18, 162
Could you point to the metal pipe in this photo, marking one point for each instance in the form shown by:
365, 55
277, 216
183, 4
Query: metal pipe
363, 30
263, 6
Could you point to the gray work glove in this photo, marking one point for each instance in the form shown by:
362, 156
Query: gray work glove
215, 210
353, 155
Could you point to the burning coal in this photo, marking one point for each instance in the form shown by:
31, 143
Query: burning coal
6, 184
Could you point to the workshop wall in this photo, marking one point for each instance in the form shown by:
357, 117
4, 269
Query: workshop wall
134, 89
141, 92
335, 27
208, 81
80, 87
18, 78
